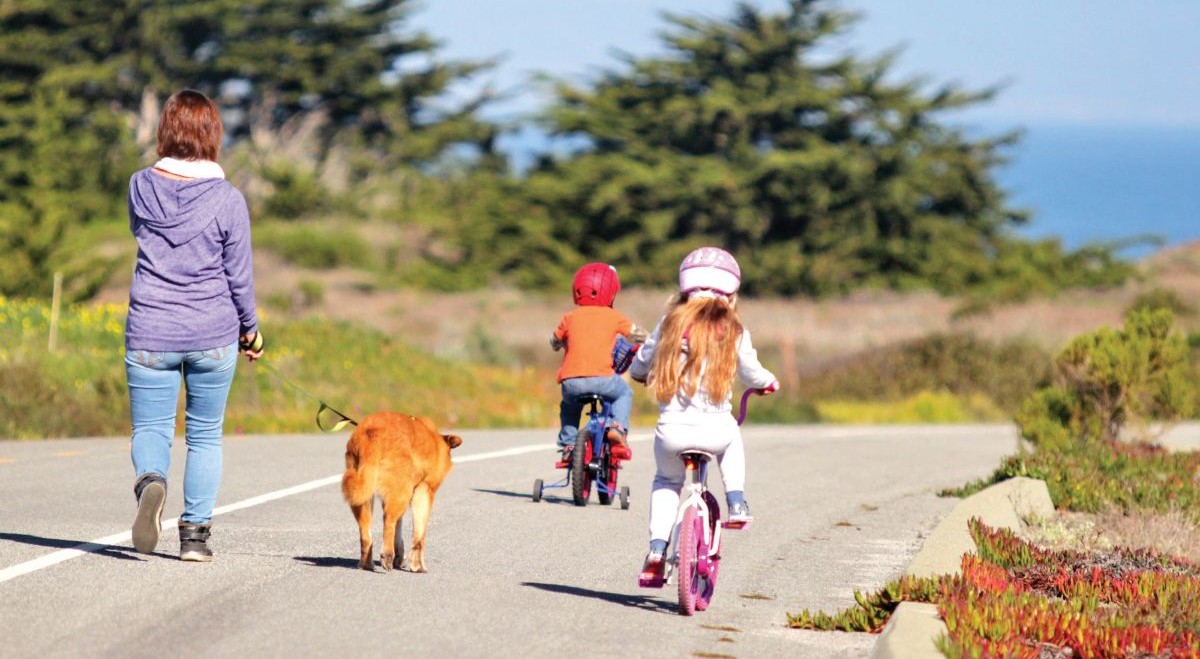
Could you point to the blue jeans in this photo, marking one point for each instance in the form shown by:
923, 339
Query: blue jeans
154, 379
611, 388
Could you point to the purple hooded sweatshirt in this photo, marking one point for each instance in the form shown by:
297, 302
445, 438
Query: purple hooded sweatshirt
193, 288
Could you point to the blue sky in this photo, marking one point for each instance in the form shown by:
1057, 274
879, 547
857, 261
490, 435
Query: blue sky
1094, 62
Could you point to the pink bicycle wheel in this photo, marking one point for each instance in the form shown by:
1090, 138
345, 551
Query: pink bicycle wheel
704, 592
691, 541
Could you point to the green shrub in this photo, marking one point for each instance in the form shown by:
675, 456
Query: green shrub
1110, 379
1161, 298
311, 247
1106, 380
311, 292
295, 194
960, 363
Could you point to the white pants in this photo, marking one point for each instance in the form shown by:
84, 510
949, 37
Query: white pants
723, 439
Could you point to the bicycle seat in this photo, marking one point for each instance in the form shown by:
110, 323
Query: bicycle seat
697, 455
587, 399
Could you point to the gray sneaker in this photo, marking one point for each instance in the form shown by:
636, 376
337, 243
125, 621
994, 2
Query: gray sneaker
739, 516
193, 542
151, 493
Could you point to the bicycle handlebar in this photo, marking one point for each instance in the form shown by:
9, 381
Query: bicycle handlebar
745, 398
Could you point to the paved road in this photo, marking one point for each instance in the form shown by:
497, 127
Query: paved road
837, 508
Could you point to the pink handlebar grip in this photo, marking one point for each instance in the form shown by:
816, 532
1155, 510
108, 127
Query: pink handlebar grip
746, 397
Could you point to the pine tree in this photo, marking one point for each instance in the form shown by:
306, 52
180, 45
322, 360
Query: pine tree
821, 171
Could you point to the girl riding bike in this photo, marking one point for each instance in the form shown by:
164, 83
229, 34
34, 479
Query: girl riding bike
690, 362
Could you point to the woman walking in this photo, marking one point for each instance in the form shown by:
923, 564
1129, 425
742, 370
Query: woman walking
191, 306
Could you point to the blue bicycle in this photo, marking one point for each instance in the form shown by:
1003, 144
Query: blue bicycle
592, 461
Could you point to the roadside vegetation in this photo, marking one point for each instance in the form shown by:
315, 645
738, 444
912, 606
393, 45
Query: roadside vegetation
1089, 434
1015, 599
78, 389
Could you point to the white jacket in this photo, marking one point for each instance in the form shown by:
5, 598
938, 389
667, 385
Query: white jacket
695, 409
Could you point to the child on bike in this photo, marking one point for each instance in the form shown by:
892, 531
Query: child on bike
689, 363
587, 336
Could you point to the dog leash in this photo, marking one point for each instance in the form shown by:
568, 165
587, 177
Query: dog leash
345, 420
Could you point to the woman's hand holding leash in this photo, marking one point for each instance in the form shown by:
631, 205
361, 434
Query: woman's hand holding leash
252, 345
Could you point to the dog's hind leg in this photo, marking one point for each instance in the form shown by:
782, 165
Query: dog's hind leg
393, 509
422, 504
362, 513
398, 543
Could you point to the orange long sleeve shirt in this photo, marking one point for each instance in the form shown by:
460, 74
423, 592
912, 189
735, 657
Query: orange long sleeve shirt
589, 334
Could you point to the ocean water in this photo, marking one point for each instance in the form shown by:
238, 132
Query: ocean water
1083, 184
1089, 184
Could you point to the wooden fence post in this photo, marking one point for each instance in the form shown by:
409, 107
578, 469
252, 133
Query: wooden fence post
55, 302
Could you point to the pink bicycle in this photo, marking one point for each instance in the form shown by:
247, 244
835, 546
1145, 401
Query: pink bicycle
697, 537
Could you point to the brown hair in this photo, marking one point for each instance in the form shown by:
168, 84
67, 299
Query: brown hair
712, 330
190, 127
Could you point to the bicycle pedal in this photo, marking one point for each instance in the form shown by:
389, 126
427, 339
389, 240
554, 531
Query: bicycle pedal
736, 526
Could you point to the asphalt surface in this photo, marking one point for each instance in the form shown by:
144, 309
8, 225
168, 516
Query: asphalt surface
837, 508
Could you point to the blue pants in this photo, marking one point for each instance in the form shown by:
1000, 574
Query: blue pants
611, 388
154, 379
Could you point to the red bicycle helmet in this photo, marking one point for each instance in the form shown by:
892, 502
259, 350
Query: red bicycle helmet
596, 285
710, 268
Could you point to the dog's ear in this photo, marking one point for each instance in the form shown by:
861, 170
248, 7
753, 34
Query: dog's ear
452, 440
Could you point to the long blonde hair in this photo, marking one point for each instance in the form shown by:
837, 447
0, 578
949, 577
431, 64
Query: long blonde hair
711, 328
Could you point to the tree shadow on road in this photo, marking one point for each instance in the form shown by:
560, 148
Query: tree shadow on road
624, 599
110, 551
328, 561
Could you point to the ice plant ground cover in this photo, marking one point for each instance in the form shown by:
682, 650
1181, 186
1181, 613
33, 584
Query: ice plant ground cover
1015, 599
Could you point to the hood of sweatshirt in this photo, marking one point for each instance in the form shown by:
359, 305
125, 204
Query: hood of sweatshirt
177, 210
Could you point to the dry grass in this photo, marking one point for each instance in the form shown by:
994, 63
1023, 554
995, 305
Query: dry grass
512, 327
1172, 533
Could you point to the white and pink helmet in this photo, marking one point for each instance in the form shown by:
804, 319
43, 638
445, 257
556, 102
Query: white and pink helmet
710, 268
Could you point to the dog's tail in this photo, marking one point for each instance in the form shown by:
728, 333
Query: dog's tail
355, 487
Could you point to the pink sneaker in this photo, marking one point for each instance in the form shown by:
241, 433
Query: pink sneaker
653, 571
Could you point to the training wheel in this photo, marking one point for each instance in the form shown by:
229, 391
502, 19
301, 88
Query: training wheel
624, 497
537, 490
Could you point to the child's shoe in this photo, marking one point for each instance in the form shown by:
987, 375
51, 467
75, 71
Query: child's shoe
739, 515
565, 460
653, 571
619, 445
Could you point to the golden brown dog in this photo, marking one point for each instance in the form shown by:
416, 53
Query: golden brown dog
400, 458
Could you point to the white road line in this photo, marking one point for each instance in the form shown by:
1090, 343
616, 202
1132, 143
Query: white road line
100, 544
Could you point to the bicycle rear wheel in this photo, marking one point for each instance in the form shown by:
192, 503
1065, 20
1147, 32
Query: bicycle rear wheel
691, 541
581, 477
608, 477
